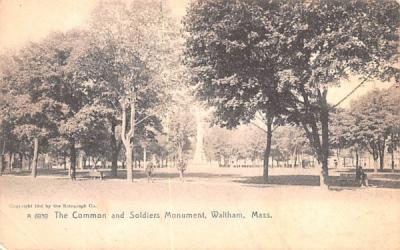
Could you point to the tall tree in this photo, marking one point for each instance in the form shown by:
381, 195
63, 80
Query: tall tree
394, 142
36, 108
376, 121
230, 47
6, 105
68, 88
247, 54
325, 41
122, 63
290, 143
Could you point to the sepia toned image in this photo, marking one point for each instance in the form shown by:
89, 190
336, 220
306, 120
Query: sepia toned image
199, 124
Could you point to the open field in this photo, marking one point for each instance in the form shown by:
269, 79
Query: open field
303, 216
247, 176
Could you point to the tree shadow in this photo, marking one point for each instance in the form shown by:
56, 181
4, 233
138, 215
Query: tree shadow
139, 174
291, 180
335, 183
83, 174
210, 175
385, 179
384, 184
39, 172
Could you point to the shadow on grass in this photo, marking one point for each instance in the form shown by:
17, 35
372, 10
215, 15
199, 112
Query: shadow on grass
384, 181
295, 180
386, 174
369, 170
40, 172
138, 174
58, 173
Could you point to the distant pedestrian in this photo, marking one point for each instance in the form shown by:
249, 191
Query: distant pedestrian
149, 171
182, 165
361, 177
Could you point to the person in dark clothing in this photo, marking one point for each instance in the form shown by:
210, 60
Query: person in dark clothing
361, 177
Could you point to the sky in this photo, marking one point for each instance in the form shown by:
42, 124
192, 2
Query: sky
22, 21
30, 20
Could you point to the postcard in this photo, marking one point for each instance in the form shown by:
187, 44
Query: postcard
199, 124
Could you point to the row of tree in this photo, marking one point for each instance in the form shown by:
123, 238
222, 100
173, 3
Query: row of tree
97, 91
246, 144
120, 84
276, 60
371, 124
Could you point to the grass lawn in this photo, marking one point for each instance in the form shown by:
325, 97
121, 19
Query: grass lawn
300, 215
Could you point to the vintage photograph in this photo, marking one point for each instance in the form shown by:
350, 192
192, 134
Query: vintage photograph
199, 124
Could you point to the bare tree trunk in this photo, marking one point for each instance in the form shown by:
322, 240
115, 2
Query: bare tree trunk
267, 151
42, 160
114, 150
144, 156
381, 152
313, 133
181, 164
392, 156
392, 150
381, 162
376, 165
320, 145
47, 161
392, 153
9, 161
12, 162
80, 159
357, 158
181, 175
324, 116
127, 137
95, 162
128, 163
20, 160
375, 156
35, 157
72, 159
2, 165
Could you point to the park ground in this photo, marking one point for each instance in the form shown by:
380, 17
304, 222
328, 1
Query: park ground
301, 214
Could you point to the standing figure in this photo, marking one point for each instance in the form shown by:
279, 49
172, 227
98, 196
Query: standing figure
361, 177
149, 171
182, 165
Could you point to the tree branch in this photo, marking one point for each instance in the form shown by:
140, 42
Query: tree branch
256, 125
131, 131
354, 90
